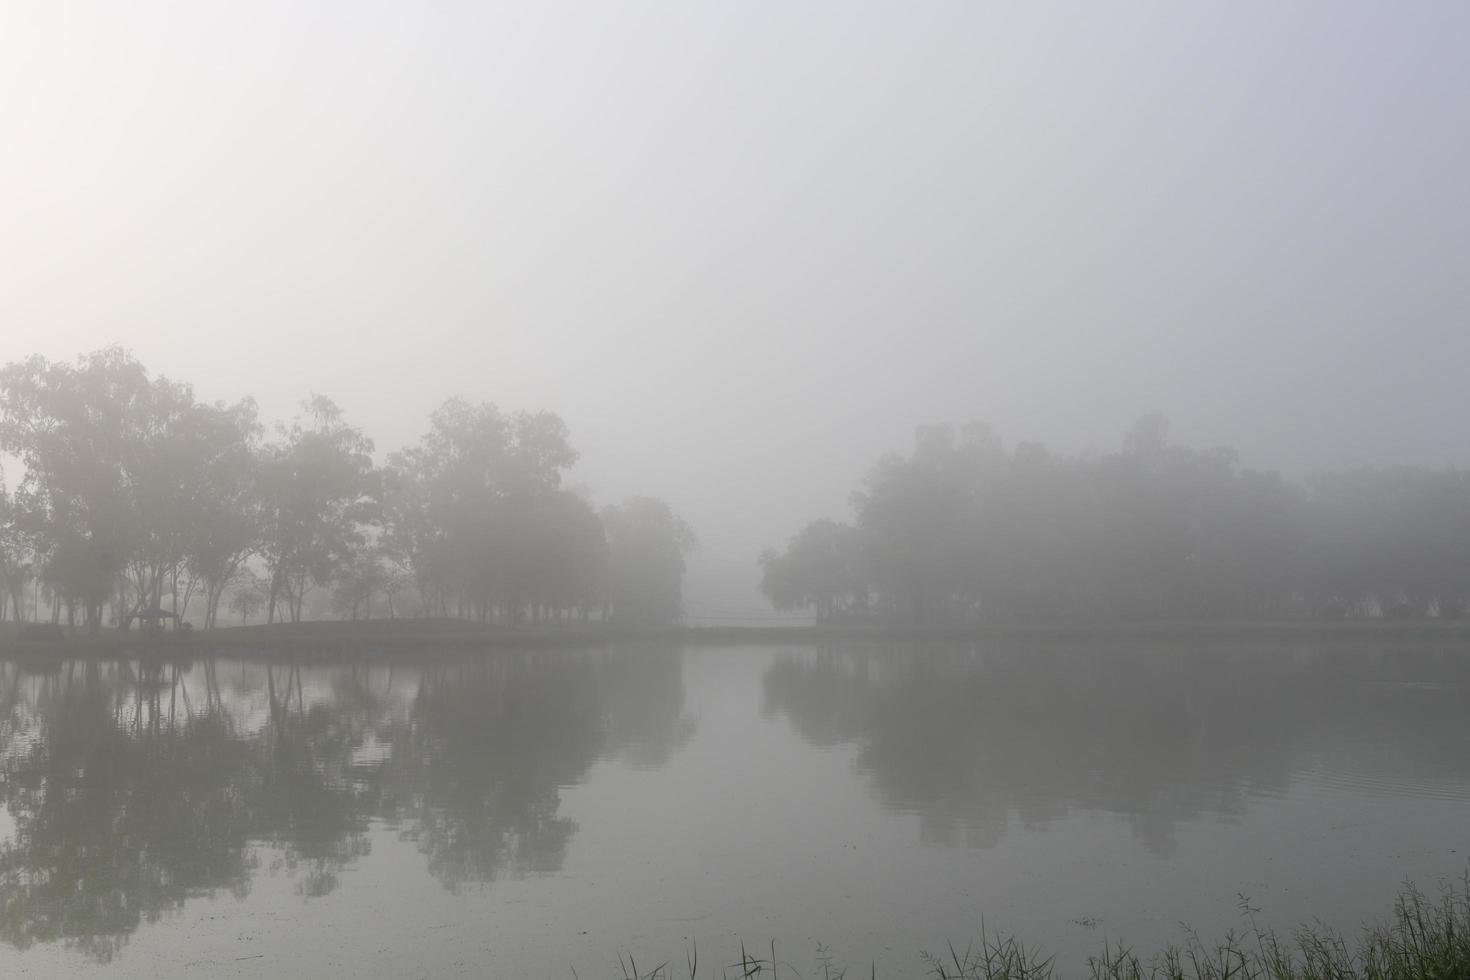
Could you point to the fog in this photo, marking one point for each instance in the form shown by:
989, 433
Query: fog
742, 252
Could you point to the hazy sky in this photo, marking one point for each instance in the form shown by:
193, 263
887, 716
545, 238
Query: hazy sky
744, 248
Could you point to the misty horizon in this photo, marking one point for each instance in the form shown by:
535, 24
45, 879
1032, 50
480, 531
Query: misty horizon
760, 250
934, 532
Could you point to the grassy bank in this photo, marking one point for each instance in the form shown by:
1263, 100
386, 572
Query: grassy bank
1424, 938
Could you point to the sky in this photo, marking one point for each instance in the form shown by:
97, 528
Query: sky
743, 249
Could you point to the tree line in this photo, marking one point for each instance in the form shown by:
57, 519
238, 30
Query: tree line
962, 530
139, 500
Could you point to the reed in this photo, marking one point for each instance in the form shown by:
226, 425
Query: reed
1424, 938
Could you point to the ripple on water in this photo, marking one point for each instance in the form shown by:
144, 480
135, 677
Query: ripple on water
1451, 788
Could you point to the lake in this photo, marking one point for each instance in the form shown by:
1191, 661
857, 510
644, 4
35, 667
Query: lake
542, 812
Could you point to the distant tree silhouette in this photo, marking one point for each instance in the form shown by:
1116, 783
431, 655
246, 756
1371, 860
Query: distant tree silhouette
15, 554
647, 543
475, 512
136, 496
118, 467
317, 486
823, 568
961, 530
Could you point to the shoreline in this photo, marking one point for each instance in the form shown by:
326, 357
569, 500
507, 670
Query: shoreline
428, 636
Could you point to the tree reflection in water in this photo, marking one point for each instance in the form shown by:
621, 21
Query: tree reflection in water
975, 741
119, 814
136, 786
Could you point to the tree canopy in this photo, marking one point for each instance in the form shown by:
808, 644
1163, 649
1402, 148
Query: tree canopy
136, 497
961, 530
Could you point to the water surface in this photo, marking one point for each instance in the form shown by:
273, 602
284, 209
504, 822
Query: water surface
534, 813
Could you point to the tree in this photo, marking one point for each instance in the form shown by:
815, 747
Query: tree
317, 486
647, 544
470, 509
359, 583
225, 520
249, 595
823, 568
83, 434
15, 553
123, 472
575, 555
926, 518
960, 528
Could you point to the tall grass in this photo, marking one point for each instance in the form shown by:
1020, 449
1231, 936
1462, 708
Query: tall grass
1424, 939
